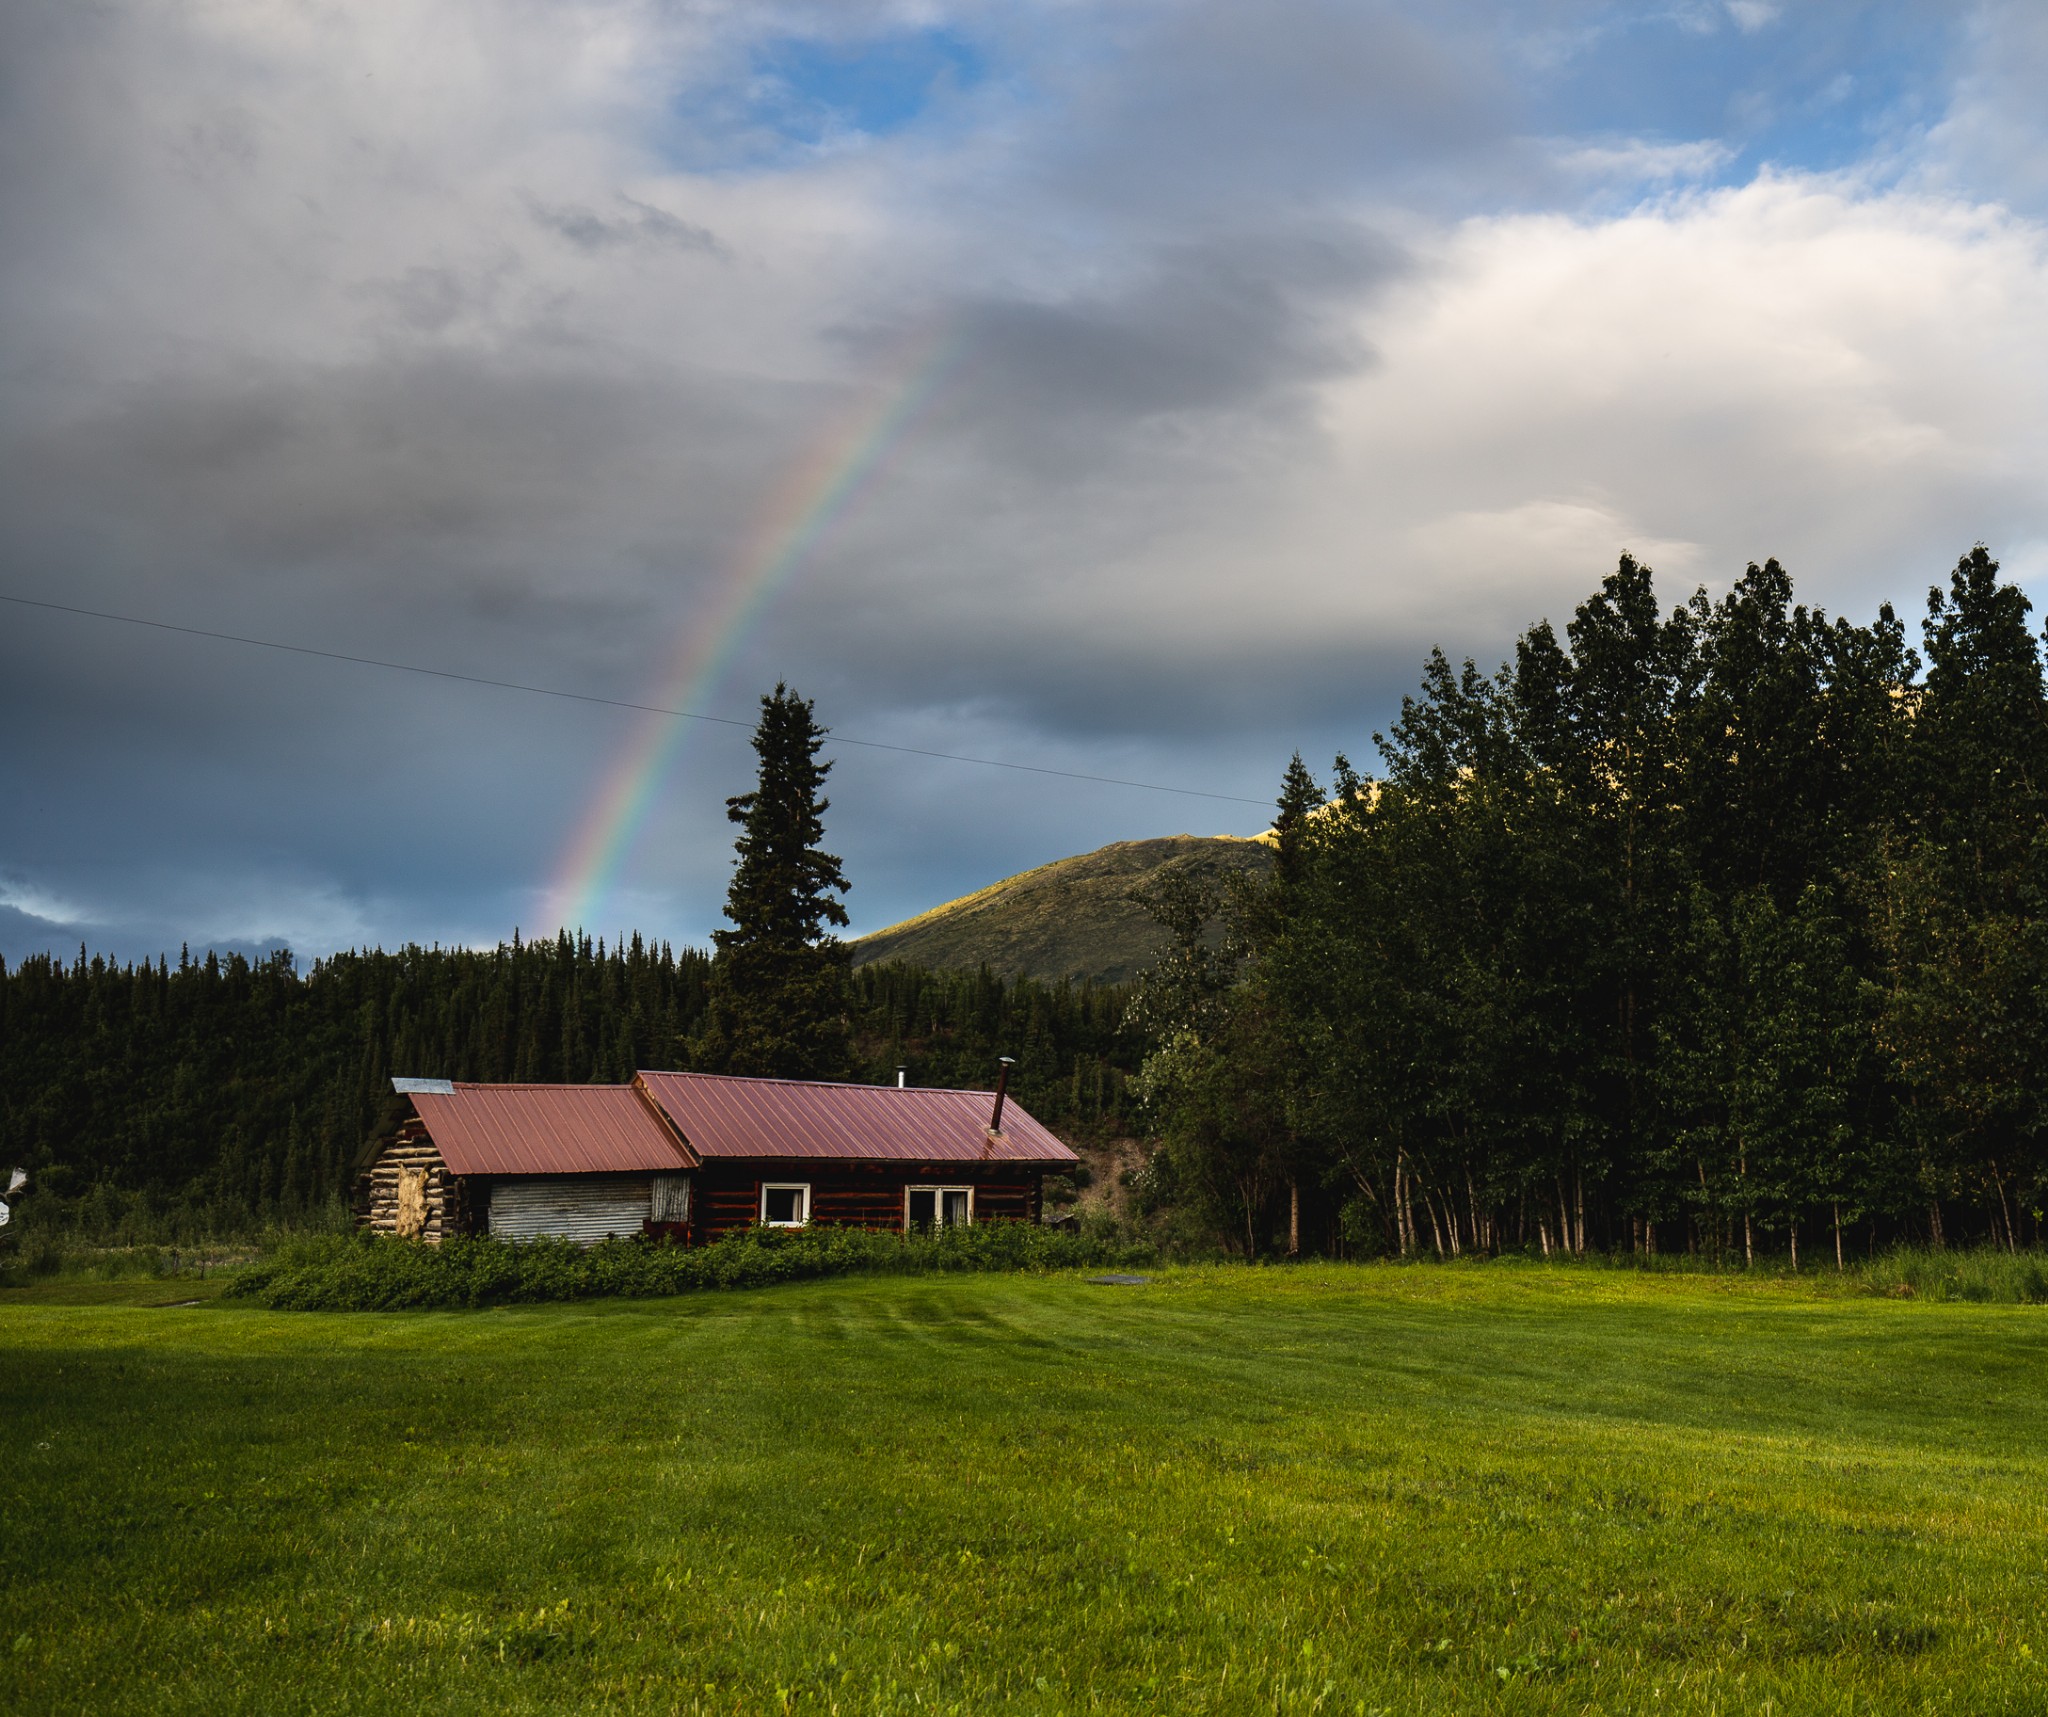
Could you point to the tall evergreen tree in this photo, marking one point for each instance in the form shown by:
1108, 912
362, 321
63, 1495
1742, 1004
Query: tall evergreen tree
778, 1003
1300, 799
1981, 731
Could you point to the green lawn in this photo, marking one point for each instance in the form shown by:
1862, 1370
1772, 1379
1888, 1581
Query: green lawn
1499, 1488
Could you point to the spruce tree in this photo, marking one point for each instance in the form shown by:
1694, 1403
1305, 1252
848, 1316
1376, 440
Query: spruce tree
778, 984
1300, 799
1981, 732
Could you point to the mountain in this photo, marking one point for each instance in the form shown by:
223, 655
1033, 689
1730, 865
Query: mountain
1072, 918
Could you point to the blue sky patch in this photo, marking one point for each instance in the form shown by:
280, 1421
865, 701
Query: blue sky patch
810, 90
1800, 88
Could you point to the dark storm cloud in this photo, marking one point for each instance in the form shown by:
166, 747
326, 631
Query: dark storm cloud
1220, 324
503, 479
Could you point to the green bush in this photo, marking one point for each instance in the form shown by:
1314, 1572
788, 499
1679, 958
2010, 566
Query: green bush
368, 1272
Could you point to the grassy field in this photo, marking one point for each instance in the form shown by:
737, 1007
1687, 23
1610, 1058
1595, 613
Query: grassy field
1501, 1488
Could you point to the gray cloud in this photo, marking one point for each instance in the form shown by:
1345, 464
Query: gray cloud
1218, 105
638, 223
1222, 324
443, 459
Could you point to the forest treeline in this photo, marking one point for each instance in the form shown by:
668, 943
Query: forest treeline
213, 1096
1722, 928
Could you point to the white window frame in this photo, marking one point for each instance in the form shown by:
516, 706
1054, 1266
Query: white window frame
800, 1187
936, 1189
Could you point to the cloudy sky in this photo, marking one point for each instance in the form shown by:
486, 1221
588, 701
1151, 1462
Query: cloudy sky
1130, 389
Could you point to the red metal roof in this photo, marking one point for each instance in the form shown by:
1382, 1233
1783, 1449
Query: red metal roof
547, 1129
728, 1117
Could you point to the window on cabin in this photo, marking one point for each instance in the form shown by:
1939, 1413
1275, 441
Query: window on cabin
938, 1207
785, 1206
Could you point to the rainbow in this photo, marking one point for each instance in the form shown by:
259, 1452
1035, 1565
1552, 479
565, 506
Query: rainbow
816, 493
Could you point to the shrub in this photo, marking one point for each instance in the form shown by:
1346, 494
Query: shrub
369, 1272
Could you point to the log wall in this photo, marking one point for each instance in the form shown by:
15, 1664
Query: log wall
409, 1189
856, 1194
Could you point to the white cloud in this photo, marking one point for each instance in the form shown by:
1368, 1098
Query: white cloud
1852, 382
1500, 559
37, 901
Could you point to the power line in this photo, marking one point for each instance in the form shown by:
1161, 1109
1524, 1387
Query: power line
608, 703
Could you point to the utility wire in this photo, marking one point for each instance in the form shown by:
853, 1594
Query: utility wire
608, 703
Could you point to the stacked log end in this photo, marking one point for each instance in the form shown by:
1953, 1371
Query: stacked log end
413, 1153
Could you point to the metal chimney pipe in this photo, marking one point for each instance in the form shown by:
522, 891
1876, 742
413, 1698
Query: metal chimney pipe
900, 1072
995, 1121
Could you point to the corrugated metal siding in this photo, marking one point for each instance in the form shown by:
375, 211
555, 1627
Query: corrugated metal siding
792, 1118
584, 1208
671, 1200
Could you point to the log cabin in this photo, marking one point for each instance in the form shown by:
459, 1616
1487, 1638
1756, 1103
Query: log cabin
695, 1155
